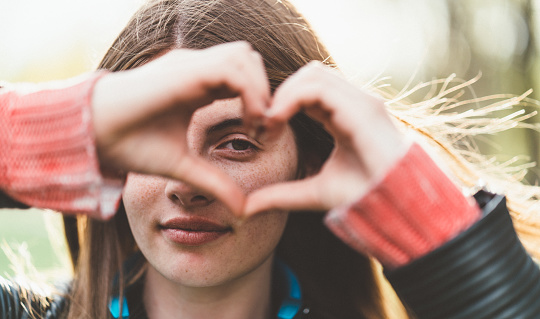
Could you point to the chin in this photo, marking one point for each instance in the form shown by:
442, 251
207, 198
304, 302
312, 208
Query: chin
199, 273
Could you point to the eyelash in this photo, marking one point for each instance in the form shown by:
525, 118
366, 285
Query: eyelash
228, 146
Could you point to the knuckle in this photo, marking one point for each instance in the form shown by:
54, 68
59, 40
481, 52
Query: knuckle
232, 50
316, 64
377, 102
257, 57
243, 45
239, 55
313, 71
241, 50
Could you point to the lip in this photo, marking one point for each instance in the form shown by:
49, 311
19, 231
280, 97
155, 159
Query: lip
193, 231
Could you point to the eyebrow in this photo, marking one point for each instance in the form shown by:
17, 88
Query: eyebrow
234, 122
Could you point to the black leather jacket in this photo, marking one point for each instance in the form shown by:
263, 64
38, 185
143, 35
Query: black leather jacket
482, 273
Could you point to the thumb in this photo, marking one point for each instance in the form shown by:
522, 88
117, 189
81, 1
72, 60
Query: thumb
202, 175
295, 195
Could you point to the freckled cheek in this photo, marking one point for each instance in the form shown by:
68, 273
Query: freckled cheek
141, 192
264, 231
268, 169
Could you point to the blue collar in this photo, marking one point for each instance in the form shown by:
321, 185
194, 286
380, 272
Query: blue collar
290, 305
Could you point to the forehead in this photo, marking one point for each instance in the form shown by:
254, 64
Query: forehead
215, 113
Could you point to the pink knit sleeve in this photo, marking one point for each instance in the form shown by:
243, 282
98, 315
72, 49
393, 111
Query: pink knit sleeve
47, 150
412, 211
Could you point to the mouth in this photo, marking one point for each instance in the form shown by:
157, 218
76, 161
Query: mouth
193, 231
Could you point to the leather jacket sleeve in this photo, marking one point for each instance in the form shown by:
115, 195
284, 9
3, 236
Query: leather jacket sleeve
482, 273
8, 202
19, 303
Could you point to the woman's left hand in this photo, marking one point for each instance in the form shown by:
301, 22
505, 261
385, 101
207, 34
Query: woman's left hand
367, 143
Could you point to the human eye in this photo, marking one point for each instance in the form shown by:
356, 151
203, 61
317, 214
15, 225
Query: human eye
237, 147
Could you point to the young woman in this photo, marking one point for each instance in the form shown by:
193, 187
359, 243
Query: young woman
174, 250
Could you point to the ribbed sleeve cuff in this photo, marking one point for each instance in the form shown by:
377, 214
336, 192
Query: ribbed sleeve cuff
483, 273
412, 211
48, 157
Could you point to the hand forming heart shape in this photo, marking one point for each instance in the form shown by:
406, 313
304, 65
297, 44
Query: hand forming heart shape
144, 130
367, 143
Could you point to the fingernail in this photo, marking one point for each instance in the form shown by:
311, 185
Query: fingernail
256, 128
252, 131
256, 122
260, 133
273, 129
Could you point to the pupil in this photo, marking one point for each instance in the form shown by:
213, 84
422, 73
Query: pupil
240, 145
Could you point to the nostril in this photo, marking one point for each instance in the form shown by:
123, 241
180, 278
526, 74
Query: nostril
198, 199
186, 195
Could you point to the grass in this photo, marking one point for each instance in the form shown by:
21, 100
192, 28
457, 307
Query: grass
36, 239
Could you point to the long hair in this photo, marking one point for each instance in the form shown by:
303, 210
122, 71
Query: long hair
338, 280
449, 127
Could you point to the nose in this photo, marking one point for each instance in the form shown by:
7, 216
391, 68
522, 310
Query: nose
186, 195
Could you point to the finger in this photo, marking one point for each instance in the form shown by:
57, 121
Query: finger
327, 97
241, 70
204, 176
295, 97
307, 90
254, 112
284, 103
354, 117
295, 195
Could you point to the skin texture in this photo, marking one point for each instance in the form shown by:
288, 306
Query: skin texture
229, 266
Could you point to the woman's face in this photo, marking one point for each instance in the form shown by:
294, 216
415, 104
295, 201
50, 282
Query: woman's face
189, 237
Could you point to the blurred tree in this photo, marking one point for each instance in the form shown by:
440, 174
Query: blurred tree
497, 39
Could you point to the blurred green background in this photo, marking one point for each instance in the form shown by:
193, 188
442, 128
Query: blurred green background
406, 40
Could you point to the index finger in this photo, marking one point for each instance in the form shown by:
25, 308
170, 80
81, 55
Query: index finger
240, 70
206, 177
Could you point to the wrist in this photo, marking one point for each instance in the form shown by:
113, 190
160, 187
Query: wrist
48, 151
380, 145
412, 211
105, 104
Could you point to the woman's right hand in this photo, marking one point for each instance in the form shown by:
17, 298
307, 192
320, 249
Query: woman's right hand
141, 115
